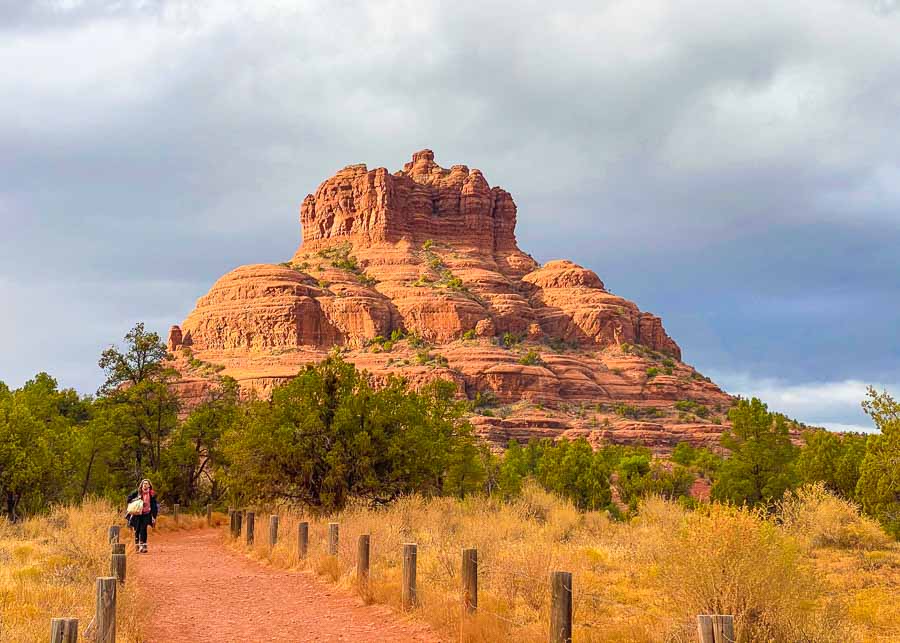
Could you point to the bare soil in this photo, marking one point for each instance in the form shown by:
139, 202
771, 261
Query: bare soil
198, 590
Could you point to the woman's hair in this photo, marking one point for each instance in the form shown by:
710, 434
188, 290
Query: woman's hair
141, 484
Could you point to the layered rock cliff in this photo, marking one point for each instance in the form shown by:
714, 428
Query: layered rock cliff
418, 274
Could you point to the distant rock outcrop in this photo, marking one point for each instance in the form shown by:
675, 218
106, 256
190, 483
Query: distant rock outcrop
418, 274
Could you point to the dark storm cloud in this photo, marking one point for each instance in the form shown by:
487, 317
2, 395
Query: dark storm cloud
730, 166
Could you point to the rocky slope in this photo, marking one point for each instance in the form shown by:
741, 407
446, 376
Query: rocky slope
418, 274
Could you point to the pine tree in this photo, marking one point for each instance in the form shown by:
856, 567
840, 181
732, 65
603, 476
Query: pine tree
878, 488
761, 465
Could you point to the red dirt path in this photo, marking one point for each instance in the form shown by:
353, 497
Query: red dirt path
200, 591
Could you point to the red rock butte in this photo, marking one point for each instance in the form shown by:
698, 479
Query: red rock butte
418, 274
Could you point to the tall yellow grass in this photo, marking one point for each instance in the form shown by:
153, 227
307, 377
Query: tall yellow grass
645, 580
49, 566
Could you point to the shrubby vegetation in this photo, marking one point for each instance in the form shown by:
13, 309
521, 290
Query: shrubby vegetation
761, 466
795, 550
49, 565
878, 488
56, 446
329, 437
783, 575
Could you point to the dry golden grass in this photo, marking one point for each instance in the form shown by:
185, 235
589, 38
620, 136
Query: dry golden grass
820, 519
49, 566
645, 580
187, 521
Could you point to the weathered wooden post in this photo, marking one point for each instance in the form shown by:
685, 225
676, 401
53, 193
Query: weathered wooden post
105, 617
715, 628
118, 548
408, 596
333, 538
231, 521
561, 607
302, 539
63, 630
209, 515
238, 522
113, 534
362, 562
273, 530
470, 580
117, 566
251, 526
176, 510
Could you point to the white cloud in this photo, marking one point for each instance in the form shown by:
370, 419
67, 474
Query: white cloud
834, 405
853, 428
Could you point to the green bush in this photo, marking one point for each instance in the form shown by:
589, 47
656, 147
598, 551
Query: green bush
371, 444
484, 399
690, 406
559, 345
832, 459
761, 466
652, 372
510, 339
455, 283
684, 453
879, 475
531, 358
627, 411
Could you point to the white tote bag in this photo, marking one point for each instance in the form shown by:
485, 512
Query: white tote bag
135, 507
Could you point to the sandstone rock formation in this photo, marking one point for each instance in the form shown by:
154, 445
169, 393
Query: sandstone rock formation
418, 274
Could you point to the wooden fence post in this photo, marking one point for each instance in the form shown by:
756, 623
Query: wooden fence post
105, 617
723, 628
561, 607
302, 539
209, 515
362, 561
273, 530
408, 596
113, 534
333, 538
63, 630
705, 628
238, 522
176, 510
231, 521
118, 548
470, 580
715, 628
117, 566
251, 526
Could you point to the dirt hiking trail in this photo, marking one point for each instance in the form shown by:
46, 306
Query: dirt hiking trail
198, 590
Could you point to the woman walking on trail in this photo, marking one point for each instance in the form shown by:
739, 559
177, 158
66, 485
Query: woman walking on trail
147, 516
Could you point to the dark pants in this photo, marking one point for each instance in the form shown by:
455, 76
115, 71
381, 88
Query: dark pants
140, 523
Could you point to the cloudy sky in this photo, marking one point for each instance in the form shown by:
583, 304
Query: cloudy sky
731, 166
